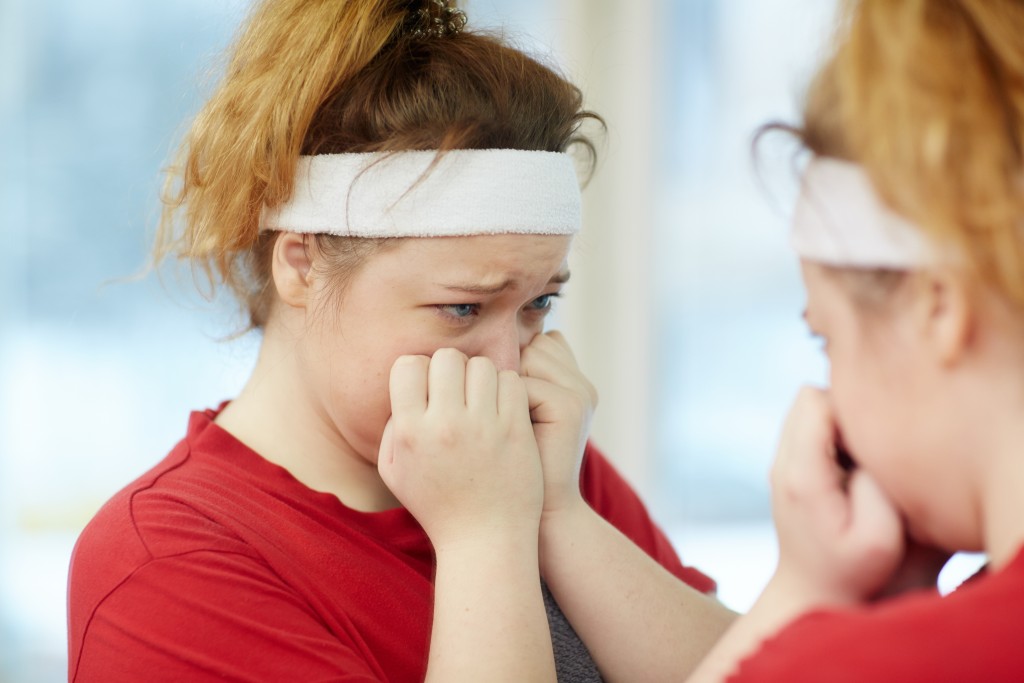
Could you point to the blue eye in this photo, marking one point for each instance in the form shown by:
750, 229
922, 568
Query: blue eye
459, 311
542, 303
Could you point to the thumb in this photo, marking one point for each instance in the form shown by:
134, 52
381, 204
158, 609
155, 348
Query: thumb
386, 453
875, 525
539, 394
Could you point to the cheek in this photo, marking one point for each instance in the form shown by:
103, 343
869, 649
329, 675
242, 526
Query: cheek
359, 403
859, 413
360, 399
356, 388
873, 432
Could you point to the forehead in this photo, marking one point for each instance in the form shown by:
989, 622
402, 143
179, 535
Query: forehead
481, 257
824, 295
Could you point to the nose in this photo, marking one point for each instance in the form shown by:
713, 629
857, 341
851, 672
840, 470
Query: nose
505, 345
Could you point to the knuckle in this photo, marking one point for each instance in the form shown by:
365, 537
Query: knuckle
447, 435
785, 484
405, 439
480, 363
510, 376
577, 403
449, 353
410, 362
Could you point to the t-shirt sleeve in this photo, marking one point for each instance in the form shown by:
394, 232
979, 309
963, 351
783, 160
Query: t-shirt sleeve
918, 636
609, 494
808, 650
205, 616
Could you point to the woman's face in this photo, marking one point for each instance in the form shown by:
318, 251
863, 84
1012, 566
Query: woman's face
889, 404
485, 295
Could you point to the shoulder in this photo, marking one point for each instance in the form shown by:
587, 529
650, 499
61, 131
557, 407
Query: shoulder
207, 615
171, 562
611, 496
603, 486
970, 635
164, 513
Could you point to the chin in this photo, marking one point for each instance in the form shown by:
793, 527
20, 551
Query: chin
943, 537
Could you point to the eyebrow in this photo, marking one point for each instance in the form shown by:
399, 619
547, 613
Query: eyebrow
559, 278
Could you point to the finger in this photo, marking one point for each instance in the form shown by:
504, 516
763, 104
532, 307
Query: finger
805, 471
482, 385
447, 379
549, 358
540, 395
562, 344
408, 385
386, 455
547, 353
512, 399
873, 517
807, 448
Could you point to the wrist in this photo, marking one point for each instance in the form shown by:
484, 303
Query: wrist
561, 529
791, 594
477, 535
509, 549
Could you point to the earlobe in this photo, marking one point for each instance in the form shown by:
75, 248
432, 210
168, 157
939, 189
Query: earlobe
291, 267
948, 315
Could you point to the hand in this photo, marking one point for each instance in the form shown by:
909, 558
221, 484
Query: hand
562, 403
918, 569
459, 450
840, 539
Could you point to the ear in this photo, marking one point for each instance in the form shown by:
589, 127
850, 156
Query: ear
946, 315
291, 266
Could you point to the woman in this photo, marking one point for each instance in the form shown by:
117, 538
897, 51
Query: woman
374, 182
910, 232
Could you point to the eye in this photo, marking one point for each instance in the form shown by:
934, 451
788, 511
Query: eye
459, 311
542, 303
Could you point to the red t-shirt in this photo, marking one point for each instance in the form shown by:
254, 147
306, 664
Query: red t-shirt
217, 564
973, 634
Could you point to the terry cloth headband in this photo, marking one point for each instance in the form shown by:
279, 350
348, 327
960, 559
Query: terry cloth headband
421, 194
840, 221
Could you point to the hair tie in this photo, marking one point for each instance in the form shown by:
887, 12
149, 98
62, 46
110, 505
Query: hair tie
436, 19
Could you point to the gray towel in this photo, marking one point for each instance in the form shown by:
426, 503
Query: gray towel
573, 662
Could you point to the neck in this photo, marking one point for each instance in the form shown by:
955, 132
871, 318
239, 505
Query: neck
278, 417
1002, 504
999, 417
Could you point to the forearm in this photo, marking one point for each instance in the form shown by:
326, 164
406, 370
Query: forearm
636, 618
489, 618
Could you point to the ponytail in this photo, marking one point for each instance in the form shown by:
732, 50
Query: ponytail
928, 97
243, 145
332, 76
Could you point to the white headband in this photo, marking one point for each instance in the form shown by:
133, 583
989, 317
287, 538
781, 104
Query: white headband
840, 221
467, 192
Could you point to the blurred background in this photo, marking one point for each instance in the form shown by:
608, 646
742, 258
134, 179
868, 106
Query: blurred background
684, 306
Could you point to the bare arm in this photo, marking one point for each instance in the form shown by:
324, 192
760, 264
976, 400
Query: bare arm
489, 618
840, 539
462, 458
636, 618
